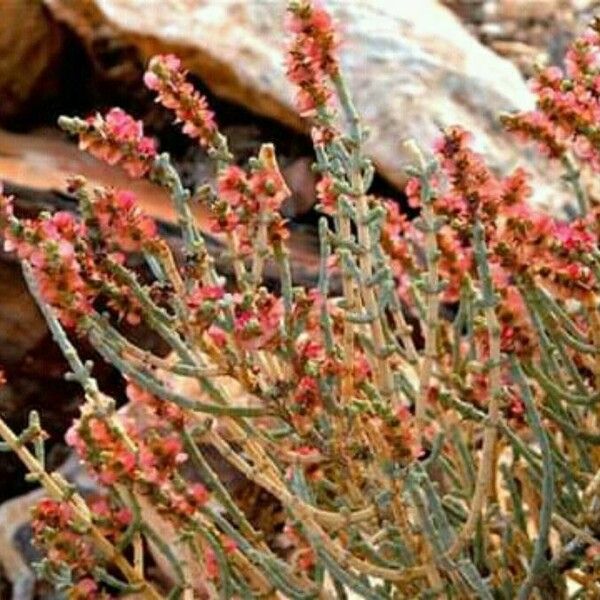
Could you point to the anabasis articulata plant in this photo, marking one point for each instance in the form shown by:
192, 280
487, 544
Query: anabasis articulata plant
432, 430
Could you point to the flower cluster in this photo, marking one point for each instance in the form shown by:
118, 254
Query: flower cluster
248, 201
474, 192
256, 323
116, 138
525, 243
55, 532
568, 106
327, 195
153, 464
312, 58
396, 237
419, 416
110, 516
166, 77
121, 223
62, 250
104, 449
51, 245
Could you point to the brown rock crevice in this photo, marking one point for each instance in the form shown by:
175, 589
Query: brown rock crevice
31, 46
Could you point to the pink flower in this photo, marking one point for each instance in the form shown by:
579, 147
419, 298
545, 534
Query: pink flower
169, 62
122, 126
229, 545
568, 106
73, 439
137, 394
166, 77
198, 493
123, 516
99, 431
312, 55
117, 138
269, 188
413, 192
224, 221
127, 460
211, 565
314, 33
474, 189
218, 336
232, 185
327, 195
147, 459
205, 294
86, 587
311, 349
516, 188
122, 223
575, 237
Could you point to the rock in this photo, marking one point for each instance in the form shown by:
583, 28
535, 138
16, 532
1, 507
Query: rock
30, 46
22, 327
409, 70
526, 31
301, 180
526, 9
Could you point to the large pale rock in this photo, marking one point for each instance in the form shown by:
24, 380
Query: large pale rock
411, 69
30, 46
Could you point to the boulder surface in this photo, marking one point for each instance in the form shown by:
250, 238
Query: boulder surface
410, 71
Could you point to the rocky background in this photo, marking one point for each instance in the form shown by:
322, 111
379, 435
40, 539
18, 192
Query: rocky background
525, 31
411, 71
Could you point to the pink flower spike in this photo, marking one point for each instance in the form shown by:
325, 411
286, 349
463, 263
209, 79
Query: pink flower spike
166, 77
116, 138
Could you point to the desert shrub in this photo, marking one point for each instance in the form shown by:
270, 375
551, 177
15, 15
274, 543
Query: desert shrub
424, 419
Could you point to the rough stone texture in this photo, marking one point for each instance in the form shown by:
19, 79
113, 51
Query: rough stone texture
409, 70
526, 31
30, 45
22, 327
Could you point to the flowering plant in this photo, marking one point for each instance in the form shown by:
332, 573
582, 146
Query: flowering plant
430, 429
